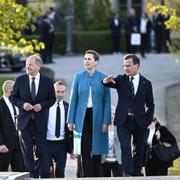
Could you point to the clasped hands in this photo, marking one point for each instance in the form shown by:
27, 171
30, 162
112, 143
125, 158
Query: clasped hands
29, 107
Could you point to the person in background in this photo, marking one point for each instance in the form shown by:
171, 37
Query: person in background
10, 150
90, 114
156, 132
33, 93
132, 26
111, 162
59, 138
145, 29
134, 112
115, 26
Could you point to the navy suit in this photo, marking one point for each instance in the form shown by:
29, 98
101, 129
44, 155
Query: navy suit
33, 131
57, 150
115, 35
142, 106
9, 137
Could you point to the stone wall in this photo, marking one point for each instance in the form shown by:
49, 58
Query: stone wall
172, 111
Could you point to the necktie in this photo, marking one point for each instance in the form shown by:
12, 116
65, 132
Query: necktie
33, 89
15, 116
58, 120
131, 86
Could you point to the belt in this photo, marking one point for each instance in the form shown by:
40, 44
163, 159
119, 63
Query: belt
58, 141
131, 114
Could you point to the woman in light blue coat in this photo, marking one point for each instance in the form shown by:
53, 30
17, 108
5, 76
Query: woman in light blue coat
89, 115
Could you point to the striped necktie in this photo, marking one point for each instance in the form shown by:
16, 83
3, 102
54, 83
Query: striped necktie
131, 86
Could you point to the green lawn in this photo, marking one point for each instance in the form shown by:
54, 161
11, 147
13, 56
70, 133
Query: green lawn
2, 79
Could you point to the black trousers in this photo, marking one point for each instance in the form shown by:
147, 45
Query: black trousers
91, 164
112, 168
33, 144
13, 158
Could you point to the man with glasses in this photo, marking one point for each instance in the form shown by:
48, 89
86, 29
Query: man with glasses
134, 112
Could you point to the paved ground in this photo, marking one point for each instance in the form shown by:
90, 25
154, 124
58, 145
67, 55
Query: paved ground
159, 68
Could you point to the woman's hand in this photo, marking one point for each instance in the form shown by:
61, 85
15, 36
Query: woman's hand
70, 126
104, 128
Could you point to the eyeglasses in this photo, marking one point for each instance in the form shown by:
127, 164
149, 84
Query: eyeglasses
127, 66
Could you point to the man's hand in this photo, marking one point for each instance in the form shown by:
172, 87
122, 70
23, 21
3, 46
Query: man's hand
104, 128
3, 149
37, 107
109, 79
70, 126
27, 106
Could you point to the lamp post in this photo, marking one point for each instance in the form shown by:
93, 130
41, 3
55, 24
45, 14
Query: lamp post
69, 26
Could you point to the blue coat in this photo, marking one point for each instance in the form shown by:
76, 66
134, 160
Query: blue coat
101, 107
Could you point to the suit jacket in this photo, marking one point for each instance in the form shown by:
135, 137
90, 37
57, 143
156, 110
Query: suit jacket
142, 105
115, 29
7, 128
68, 134
45, 96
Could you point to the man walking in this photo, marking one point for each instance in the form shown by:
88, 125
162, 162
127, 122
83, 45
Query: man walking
33, 94
59, 138
134, 112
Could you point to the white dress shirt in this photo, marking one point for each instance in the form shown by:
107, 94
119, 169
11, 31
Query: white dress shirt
10, 107
52, 122
36, 81
135, 82
89, 103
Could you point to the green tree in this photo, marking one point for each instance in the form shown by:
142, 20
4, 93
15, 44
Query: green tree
14, 18
171, 10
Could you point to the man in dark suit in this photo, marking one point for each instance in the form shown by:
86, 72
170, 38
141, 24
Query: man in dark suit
59, 138
10, 151
115, 26
134, 112
33, 94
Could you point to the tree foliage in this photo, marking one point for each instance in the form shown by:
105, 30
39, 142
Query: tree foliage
14, 18
171, 10
89, 15
168, 9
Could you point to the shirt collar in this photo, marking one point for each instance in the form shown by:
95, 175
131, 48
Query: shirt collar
36, 77
6, 99
135, 76
60, 102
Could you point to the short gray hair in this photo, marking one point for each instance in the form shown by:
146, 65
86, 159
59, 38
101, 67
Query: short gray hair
37, 58
7, 84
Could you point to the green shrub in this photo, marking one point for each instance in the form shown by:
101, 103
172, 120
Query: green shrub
83, 40
2, 79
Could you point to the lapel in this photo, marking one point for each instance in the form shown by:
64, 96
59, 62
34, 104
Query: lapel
65, 110
6, 111
27, 86
40, 88
141, 85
